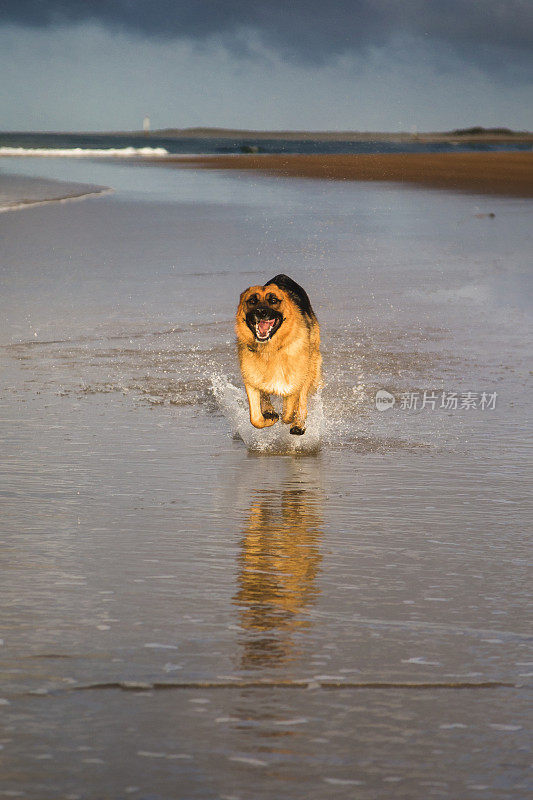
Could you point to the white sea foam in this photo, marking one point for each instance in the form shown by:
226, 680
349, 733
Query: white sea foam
81, 152
277, 438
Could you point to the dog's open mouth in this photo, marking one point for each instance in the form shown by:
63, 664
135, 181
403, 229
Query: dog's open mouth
264, 327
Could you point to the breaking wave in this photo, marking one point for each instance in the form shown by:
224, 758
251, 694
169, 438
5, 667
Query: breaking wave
81, 152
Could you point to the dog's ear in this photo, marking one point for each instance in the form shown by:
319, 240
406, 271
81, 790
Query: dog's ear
297, 294
242, 294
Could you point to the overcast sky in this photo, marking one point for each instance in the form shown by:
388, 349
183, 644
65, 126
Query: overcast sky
281, 64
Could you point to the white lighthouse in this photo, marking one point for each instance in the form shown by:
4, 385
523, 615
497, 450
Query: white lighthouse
146, 124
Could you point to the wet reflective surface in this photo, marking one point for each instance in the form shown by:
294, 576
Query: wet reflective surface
157, 570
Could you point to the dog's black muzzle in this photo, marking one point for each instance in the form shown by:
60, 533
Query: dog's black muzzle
263, 321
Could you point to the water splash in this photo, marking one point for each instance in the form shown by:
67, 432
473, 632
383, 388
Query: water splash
277, 439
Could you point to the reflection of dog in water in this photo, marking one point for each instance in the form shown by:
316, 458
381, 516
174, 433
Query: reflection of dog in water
279, 562
278, 342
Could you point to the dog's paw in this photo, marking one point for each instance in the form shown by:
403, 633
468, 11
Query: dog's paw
262, 422
297, 431
271, 415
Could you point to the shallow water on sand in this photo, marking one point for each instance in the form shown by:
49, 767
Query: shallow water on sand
161, 560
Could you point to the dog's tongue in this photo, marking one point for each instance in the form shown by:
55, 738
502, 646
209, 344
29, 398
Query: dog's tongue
264, 326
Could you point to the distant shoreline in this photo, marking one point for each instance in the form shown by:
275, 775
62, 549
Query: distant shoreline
343, 136
466, 136
501, 173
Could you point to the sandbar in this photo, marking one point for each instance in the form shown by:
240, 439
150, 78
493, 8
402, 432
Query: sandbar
499, 173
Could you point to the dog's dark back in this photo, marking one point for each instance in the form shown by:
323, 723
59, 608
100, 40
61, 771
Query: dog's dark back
298, 295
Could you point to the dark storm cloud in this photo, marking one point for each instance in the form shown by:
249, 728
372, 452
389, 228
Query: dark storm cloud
495, 34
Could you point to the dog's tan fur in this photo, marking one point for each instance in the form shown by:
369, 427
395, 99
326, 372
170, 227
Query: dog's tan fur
288, 364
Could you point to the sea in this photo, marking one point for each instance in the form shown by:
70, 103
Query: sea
192, 608
135, 144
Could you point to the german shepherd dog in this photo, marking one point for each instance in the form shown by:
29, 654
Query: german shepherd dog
278, 341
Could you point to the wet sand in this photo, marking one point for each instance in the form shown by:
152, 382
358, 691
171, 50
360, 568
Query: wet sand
485, 173
22, 191
184, 616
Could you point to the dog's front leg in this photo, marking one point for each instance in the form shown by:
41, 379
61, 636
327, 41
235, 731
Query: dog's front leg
290, 403
256, 415
300, 415
267, 409
295, 411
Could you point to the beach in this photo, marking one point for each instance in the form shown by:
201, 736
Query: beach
19, 191
484, 173
195, 608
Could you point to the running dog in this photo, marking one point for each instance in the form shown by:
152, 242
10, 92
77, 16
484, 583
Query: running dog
278, 342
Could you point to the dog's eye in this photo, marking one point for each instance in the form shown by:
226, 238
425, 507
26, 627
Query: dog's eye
252, 301
272, 299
